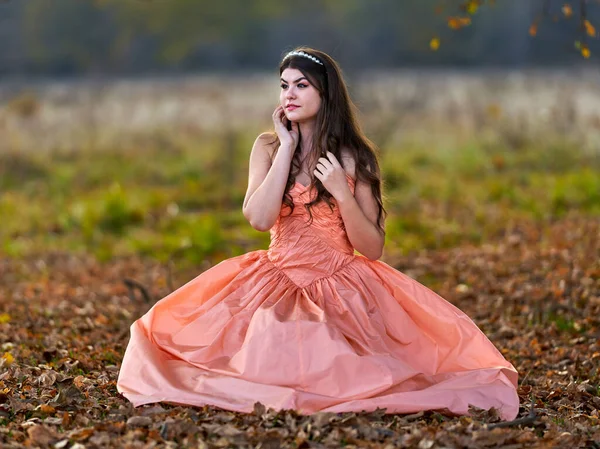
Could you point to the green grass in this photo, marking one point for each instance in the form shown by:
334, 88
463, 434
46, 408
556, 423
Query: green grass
164, 198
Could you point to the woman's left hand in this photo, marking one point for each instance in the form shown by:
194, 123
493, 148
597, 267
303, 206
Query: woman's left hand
333, 176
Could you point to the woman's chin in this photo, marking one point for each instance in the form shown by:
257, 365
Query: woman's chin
294, 118
297, 118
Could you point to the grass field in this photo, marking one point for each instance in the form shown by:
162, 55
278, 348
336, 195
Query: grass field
162, 194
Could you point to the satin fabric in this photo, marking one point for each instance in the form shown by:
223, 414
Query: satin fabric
310, 325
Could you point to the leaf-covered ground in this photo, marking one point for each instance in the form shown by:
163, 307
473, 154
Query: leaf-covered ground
535, 291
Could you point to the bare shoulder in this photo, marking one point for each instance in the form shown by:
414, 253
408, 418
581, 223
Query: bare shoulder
266, 142
261, 159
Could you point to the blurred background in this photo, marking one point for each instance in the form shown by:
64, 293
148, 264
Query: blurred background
127, 124
125, 132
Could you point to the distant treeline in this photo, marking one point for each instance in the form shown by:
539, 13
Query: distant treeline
73, 37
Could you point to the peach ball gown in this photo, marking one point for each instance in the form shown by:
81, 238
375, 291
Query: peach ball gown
310, 325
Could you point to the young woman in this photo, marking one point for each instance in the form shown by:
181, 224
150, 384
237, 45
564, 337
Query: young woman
309, 324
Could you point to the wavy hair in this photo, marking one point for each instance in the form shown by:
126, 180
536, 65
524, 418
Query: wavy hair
337, 127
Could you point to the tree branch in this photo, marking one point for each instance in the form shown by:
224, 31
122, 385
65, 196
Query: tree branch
529, 419
132, 285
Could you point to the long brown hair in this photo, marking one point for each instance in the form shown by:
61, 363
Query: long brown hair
337, 127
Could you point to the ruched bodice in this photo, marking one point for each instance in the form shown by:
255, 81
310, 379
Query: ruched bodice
306, 251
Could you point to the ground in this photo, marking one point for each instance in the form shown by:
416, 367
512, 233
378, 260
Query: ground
535, 292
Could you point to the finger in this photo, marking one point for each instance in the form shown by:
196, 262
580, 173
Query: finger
333, 159
325, 162
322, 168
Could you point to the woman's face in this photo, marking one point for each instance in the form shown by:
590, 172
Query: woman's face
296, 89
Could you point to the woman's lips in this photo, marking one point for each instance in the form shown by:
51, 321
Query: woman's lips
291, 108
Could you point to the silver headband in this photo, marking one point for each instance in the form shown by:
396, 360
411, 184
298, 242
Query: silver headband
301, 53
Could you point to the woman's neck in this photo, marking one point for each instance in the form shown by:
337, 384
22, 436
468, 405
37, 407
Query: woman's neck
307, 132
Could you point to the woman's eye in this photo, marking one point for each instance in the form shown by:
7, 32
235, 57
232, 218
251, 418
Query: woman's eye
283, 86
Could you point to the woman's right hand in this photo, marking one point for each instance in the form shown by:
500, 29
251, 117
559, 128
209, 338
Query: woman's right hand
286, 137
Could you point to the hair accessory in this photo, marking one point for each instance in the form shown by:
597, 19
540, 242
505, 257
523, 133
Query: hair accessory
301, 53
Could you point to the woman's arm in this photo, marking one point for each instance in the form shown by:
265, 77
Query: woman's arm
359, 213
266, 183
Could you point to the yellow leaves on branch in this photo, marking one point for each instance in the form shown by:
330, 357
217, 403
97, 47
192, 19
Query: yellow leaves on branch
589, 28
434, 43
567, 11
458, 22
469, 6
472, 6
533, 29
583, 48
